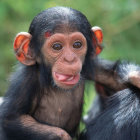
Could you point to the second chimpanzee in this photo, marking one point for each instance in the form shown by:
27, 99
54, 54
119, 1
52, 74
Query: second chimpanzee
117, 116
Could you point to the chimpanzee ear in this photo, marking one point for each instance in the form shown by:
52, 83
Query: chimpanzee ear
22, 49
97, 39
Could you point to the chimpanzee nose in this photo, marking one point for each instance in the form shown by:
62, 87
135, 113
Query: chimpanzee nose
70, 58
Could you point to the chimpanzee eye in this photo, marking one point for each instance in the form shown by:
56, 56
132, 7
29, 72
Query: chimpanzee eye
57, 46
77, 45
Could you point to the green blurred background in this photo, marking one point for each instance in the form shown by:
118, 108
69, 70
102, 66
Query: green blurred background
119, 19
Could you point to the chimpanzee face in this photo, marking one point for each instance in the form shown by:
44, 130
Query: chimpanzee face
65, 53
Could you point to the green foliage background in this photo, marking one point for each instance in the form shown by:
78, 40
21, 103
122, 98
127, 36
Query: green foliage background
119, 19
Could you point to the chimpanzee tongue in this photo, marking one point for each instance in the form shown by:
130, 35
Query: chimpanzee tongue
62, 77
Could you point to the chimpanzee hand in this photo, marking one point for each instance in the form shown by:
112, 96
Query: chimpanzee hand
129, 73
63, 134
134, 78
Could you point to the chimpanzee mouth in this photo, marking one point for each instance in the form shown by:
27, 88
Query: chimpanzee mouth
67, 79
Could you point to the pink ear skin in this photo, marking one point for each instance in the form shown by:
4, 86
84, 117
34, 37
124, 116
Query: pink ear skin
22, 50
98, 39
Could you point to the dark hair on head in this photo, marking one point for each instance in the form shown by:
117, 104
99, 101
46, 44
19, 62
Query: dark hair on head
60, 19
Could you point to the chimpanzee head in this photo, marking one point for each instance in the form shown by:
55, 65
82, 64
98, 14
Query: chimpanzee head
62, 41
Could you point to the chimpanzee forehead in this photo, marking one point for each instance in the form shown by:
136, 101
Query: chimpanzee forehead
66, 27
58, 19
62, 28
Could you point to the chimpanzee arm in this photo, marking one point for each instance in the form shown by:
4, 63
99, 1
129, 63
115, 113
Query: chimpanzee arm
105, 74
111, 74
27, 128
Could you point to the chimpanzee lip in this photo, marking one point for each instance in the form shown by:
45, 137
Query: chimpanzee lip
66, 78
